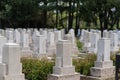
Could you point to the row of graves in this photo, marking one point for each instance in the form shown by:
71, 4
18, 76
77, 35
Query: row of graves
90, 40
11, 68
36, 43
39, 43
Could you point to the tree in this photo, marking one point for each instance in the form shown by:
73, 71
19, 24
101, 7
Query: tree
107, 12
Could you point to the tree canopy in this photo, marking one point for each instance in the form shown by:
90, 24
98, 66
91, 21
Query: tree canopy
59, 13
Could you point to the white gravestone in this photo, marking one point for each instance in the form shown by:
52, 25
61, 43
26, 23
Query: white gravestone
3, 40
17, 36
63, 69
114, 42
11, 68
103, 64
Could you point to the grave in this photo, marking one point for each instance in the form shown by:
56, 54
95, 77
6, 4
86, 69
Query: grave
114, 42
103, 68
11, 68
51, 44
40, 47
26, 52
3, 40
63, 69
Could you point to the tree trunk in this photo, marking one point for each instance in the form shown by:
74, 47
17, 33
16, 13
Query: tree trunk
45, 16
118, 23
57, 14
101, 27
77, 24
70, 17
105, 21
0, 24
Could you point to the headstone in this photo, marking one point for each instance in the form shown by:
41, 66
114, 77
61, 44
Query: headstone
44, 32
51, 39
42, 44
17, 36
87, 41
62, 33
94, 42
11, 68
105, 34
72, 33
82, 35
2, 32
79, 33
40, 49
63, 69
57, 36
9, 35
114, 42
3, 40
103, 66
25, 39
118, 37
51, 46
26, 52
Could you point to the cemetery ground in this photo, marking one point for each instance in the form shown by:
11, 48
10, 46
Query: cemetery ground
50, 54
39, 69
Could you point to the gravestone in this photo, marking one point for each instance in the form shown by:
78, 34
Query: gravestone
17, 36
11, 68
63, 69
57, 36
3, 40
51, 43
40, 49
103, 67
79, 33
118, 38
73, 40
26, 52
105, 34
9, 35
82, 35
114, 42
72, 33
94, 42
62, 33
29, 32
87, 41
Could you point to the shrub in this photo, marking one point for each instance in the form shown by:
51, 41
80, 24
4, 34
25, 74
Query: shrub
83, 65
35, 69
79, 44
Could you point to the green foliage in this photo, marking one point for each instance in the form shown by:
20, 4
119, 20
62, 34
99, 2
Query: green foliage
113, 57
79, 44
83, 65
35, 69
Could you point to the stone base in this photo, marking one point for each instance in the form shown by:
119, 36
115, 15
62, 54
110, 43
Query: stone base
103, 64
2, 70
115, 49
0, 59
14, 77
102, 72
27, 53
75, 49
83, 77
39, 56
51, 51
75, 76
63, 70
